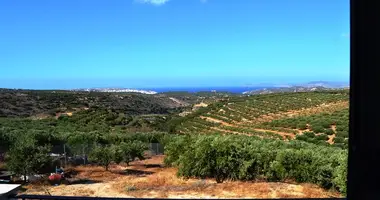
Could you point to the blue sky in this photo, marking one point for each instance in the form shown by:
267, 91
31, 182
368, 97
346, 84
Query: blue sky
164, 43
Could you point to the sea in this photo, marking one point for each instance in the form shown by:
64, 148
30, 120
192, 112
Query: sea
237, 90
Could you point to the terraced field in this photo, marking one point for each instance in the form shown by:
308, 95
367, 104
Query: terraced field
284, 116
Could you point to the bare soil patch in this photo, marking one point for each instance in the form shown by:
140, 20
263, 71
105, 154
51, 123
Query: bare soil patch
331, 139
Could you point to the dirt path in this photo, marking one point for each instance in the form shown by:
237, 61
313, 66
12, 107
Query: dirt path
210, 119
283, 134
234, 132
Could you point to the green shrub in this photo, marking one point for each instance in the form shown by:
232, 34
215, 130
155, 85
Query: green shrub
343, 134
317, 129
301, 126
326, 124
302, 137
340, 173
246, 158
322, 137
338, 140
329, 131
309, 134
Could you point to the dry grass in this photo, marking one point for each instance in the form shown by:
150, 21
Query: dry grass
158, 182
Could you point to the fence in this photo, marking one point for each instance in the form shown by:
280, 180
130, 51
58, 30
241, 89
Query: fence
78, 154
156, 148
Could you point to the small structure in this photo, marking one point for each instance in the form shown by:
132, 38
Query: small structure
156, 149
8, 191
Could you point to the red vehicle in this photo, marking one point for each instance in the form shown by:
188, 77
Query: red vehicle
55, 178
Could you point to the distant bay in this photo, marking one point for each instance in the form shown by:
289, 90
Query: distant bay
204, 89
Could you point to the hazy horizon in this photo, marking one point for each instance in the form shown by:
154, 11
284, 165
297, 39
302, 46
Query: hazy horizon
47, 84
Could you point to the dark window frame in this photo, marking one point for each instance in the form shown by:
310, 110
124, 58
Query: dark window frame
364, 134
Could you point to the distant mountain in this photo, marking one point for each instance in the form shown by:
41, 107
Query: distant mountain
284, 89
307, 88
326, 84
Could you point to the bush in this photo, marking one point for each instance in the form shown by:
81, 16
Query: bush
322, 137
309, 134
317, 129
343, 134
293, 126
326, 124
246, 158
301, 126
338, 140
329, 131
340, 145
340, 173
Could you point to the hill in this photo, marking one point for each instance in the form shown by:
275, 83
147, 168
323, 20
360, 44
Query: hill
279, 115
26, 103
305, 88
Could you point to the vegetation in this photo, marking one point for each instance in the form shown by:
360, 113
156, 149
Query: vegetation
318, 127
246, 110
26, 103
103, 156
26, 157
128, 151
318, 123
233, 138
249, 158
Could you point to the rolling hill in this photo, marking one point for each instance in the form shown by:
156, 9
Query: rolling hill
279, 115
26, 103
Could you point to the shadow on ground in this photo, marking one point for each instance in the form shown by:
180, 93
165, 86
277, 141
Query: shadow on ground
153, 166
135, 172
82, 181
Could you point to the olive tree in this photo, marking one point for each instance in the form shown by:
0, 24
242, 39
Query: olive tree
131, 150
102, 155
25, 157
